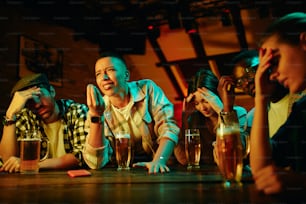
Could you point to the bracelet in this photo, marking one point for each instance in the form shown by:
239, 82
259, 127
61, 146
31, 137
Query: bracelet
226, 113
7, 121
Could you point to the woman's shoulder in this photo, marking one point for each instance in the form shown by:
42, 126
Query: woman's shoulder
240, 110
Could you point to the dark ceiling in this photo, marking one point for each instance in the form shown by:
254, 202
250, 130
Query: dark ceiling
126, 21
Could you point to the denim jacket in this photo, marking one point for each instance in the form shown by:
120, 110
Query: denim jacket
152, 113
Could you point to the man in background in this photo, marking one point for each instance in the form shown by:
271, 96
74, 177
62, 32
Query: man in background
61, 123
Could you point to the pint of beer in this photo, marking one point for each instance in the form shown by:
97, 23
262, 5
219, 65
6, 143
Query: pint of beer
123, 150
193, 147
229, 151
29, 152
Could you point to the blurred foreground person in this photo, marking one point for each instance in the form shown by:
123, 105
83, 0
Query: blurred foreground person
278, 164
244, 68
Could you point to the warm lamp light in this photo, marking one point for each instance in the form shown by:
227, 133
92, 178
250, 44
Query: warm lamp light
226, 17
191, 31
153, 31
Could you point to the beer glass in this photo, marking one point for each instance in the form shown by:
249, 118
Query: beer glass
30, 152
229, 150
193, 148
123, 150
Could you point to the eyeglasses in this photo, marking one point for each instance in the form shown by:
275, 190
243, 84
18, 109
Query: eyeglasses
247, 77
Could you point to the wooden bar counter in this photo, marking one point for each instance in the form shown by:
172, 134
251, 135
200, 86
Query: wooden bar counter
135, 186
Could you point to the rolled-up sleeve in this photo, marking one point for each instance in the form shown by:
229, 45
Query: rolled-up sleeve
97, 158
163, 113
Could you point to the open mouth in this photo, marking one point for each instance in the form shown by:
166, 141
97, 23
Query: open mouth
42, 112
108, 85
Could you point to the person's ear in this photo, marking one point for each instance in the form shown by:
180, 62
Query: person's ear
127, 75
303, 40
52, 91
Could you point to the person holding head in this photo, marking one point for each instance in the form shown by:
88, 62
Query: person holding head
201, 110
278, 163
244, 68
61, 122
139, 107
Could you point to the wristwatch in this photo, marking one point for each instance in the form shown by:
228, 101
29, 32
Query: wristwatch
95, 119
6, 121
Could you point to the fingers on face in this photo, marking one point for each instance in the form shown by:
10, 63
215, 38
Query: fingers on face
226, 79
189, 97
94, 97
31, 93
263, 52
98, 97
33, 89
203, 90
89, 93
206, 93
227, 82
265, 57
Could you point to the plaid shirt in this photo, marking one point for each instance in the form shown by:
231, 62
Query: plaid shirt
73, 117
152, 113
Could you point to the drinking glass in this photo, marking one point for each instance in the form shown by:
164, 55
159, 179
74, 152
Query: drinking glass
229, 151
123, 150
247, 147
29, 152
193, 148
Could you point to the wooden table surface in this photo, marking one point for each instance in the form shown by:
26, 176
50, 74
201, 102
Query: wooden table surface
135, 186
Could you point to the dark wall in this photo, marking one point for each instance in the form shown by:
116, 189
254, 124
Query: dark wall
78, 55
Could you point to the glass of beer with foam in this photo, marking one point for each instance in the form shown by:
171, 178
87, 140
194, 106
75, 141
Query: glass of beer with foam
193, 148
123, 150
229, 149
29, 151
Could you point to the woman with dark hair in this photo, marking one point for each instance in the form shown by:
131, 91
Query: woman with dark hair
279, 164
201, 110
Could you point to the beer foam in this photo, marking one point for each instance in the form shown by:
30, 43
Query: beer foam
227, 130
29, 139
192, 135
122, 135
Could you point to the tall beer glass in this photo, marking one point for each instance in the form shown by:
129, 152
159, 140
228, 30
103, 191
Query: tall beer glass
123, 150
229, 149
193, 147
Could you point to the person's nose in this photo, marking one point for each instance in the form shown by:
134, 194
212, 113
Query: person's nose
37, 105
36, 99
273, 75
105, 76
202, 106
245, 84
